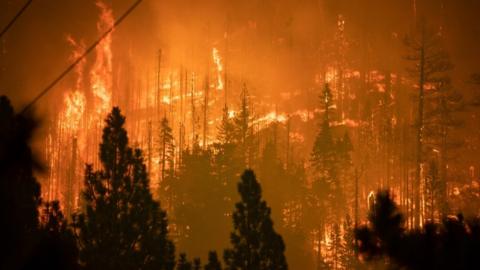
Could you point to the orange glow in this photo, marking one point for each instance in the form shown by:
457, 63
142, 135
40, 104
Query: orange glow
219, 67
75, 107
101, 73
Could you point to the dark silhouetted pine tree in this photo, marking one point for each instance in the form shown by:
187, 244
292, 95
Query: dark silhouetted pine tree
19, 189
166, 178
243, 131
197, 264
274, 177
122, 226
167, 150
26, 242
183, 263
57, 248
226, 129
255, 244
213, 262
200, 200
226, 161
451, 245
226, 164
326, 158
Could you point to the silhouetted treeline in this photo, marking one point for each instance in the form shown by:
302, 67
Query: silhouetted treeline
120, 225
454, 244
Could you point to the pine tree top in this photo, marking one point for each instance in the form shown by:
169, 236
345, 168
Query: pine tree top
255, 243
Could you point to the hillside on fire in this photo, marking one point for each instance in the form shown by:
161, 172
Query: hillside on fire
228, 134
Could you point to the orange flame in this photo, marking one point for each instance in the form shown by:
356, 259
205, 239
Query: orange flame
75, 106
101, 74
218, 62
75, 100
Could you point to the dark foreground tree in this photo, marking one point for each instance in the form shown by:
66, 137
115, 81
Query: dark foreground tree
26, 242
255, 244
183, 263
385, 228
451, 245
122, 226
56, 248
213, 262
167, 150
19, 190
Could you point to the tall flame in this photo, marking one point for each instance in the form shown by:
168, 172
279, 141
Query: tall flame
74, 109
101, 73
74, 101
218, 63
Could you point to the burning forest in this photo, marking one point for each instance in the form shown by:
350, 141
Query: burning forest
261, 134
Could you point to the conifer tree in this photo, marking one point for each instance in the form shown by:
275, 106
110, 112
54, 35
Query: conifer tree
122, 226
57, 248
325, 159
323, 154
197, 265
441, 122
213, 262
226, 162
274, 178
167, 150
243, 129
183, 263
255, 244
430, 62
336, 247
226, 130
200, 200
347, 256
452, 244
31, 239
19, 189
166, 176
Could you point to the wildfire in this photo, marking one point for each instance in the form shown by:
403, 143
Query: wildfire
166, 100
272, 117
346, 122
218, 63
330, 75
74, 109
74, 101
69, 144
101, 73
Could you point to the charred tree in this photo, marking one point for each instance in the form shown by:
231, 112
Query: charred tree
167, 150
243, 129
429, 64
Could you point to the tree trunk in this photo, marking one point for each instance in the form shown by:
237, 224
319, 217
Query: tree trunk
419, 127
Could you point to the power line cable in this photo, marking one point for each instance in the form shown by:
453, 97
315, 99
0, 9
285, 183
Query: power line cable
80, 58
19, 13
